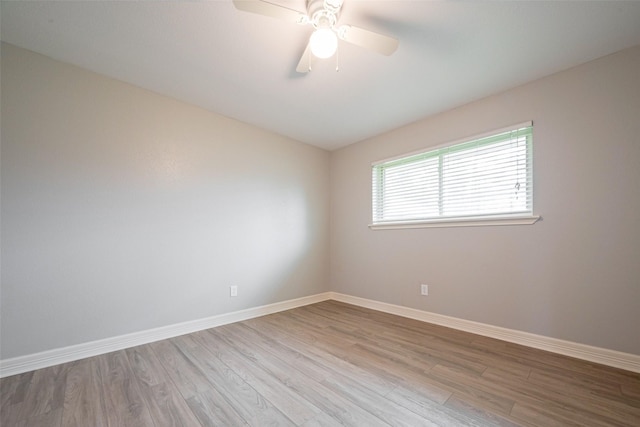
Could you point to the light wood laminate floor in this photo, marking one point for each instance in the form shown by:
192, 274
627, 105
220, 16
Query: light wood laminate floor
327, 364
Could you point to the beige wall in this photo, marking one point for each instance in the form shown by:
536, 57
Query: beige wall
123, 210
575, 275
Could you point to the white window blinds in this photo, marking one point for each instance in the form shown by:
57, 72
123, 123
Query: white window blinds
490, 176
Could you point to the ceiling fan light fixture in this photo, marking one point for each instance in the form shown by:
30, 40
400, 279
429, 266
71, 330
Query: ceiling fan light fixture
323, 16
323, 43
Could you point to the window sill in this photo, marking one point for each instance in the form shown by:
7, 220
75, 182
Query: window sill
459, 222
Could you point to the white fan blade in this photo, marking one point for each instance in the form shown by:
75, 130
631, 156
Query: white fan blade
306, 61
269, 9
380, 43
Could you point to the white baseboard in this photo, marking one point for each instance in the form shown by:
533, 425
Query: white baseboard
616, 359
30, 362
17, 365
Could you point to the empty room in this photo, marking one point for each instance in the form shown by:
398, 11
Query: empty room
319, 213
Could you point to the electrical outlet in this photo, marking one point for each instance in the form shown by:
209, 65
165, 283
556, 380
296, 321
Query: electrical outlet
233, 291
424, 289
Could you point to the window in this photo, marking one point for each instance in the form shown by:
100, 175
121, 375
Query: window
488, 179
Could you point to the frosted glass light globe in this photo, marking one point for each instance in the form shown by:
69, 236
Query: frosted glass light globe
323, 43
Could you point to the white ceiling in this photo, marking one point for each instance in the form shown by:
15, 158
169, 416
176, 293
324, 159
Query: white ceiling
242, 65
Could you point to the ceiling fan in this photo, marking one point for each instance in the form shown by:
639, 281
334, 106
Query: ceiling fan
323, 16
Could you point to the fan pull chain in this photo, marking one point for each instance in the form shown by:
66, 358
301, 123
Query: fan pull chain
338, 58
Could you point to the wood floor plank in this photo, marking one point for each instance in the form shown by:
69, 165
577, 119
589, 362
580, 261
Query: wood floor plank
461, 407
273, 332
10, 415
145, 366
84, 403
166, 405
596, 411
411, 375
374, 403
436, 337
187, 377
45, 392
247, 366
124, 404
252, 407
282, 349
542, 416
326, 364
631, 390
14, 388
48, 419
304, 376
420, 345
330, 358
561, 380
322, 420
546, 361
600, 397
420, 403
212, 410
357, 388
461, 383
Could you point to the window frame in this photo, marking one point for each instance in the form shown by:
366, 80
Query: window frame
518, 218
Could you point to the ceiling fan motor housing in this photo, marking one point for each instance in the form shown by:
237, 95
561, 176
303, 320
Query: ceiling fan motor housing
323, 13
